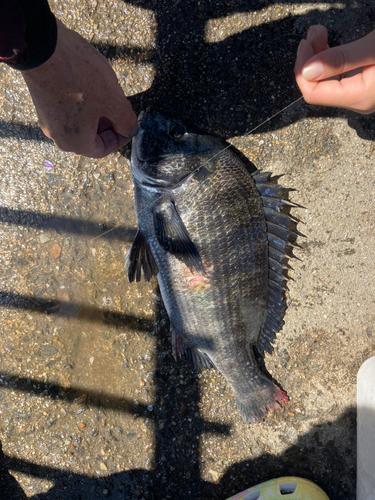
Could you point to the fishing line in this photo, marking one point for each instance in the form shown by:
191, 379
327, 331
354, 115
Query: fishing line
251, 131
207, 161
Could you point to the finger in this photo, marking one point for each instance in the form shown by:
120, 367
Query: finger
108, 141
101, 140
106, 124
316, 41
348, 93
304, 53
327, 93
101, 144
110, 138
122, 116
87, 142
318, 37
338, 60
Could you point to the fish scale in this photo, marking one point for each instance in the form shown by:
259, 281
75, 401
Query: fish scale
218, 250
228, 260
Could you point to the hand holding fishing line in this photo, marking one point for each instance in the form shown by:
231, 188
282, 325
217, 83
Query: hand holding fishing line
341, 76
79, 102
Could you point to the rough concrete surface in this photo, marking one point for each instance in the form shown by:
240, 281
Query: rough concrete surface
92, 404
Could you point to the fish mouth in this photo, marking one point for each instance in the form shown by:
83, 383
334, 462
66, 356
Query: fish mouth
154, 132
139, 175
141, 117
139, 160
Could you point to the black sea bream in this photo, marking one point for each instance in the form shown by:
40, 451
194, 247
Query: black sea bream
216, 238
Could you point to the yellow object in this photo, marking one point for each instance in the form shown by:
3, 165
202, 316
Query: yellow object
283, 488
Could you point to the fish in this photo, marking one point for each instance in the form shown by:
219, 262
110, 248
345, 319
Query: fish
217, 236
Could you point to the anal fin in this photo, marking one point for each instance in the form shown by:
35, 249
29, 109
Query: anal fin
199, 358
194, 355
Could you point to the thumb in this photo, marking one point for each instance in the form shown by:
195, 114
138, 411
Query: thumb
339, 60
122, 117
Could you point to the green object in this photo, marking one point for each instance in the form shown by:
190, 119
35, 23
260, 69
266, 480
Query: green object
286, 488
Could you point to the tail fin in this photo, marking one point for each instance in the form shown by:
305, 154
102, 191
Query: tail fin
255, 406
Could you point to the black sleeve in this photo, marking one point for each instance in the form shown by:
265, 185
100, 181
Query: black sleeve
28, 33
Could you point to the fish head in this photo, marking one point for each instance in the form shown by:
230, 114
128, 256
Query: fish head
165, 151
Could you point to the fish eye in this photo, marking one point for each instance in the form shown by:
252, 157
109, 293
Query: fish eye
176, 131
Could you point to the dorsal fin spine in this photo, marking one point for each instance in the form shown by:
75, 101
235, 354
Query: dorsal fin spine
281, 229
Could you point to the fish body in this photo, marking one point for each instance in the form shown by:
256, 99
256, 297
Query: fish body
204, 231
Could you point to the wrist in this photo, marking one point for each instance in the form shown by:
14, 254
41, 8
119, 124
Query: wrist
38, 42
41, 71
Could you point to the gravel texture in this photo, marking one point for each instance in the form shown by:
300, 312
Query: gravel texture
92, 404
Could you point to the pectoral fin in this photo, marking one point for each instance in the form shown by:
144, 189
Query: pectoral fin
140, 259
174, 238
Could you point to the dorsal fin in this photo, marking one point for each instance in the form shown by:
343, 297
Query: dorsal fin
281, 234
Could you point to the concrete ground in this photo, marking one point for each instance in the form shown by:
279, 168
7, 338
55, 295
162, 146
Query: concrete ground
92, 404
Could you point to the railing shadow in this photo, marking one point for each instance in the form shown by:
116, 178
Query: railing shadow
22, 131
178, 425
83, 312
65, 225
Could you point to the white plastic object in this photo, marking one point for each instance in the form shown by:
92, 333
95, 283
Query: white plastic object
366, 431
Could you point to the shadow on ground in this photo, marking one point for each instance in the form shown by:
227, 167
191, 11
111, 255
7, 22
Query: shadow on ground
228, 84
65, 225
308, 458
176, 465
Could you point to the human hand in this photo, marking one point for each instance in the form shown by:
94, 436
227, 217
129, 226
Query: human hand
341, 76
79, 102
